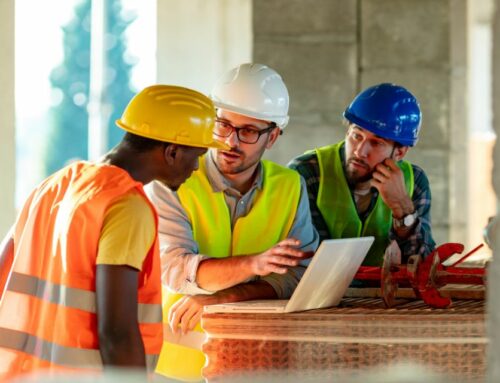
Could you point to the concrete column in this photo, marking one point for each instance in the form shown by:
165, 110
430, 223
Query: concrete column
421, 44
313, 45
7, 117
481, 138
458, 118
494, 269
198, 40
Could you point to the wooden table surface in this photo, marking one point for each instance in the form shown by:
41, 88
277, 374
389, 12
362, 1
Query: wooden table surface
361, 333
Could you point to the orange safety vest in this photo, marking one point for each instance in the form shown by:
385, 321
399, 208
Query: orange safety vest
48, 310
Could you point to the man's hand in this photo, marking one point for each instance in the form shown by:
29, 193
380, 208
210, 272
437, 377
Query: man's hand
215, 274
278, 258
186, 312
388, 179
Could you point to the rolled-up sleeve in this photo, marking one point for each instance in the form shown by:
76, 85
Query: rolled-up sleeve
178, 249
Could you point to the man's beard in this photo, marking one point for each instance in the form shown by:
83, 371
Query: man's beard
226, 168
245, 163
353, 176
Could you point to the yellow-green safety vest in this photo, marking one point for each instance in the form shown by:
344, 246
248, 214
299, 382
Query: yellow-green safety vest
268, 222
339, 210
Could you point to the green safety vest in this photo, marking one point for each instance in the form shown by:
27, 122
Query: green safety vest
338, 209
268, 222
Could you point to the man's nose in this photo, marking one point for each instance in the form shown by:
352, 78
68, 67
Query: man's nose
362, 149
233, 140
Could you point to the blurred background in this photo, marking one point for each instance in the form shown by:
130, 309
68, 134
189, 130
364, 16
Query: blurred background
69, 68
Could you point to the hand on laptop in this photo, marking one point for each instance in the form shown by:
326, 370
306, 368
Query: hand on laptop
186, 312
278, 258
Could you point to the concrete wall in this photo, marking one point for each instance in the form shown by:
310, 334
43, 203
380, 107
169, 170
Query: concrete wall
7, 133
313, 44
328, 50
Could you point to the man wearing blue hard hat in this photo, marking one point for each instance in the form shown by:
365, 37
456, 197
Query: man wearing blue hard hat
361, 186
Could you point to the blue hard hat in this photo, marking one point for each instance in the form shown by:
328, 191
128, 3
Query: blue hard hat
389, 111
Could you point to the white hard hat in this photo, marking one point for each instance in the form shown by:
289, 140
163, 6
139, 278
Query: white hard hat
253, 90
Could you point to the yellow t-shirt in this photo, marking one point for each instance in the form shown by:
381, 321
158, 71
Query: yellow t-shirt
128, 232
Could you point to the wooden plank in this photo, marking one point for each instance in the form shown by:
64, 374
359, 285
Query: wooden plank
361, 333
451, 291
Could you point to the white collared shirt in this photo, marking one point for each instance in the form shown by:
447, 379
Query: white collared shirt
180, 252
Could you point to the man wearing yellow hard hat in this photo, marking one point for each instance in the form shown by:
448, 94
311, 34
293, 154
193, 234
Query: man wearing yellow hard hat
239, 227
82, 260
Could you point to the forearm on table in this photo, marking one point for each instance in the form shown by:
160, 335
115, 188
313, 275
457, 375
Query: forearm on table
246, 291
284, 284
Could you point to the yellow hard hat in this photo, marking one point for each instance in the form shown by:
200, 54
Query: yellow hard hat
171, 114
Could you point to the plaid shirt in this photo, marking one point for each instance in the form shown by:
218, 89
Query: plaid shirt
418, 242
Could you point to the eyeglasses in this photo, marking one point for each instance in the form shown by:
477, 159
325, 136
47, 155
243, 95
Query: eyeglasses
248, 134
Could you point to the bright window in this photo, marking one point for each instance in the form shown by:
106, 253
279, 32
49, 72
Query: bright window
53, 63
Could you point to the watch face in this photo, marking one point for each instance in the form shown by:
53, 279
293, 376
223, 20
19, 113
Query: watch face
409, 219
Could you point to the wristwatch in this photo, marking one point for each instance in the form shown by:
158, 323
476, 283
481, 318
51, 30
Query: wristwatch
406, 221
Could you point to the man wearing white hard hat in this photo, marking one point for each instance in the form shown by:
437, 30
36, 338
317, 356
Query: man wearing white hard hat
240, 228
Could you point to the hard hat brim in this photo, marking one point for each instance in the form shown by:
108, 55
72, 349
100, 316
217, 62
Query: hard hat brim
280, 121
405, 141
214, 144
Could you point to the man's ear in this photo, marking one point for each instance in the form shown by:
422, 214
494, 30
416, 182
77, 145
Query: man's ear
273, 136
170, 153
400, 152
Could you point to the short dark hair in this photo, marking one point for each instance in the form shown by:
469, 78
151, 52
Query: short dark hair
142, 144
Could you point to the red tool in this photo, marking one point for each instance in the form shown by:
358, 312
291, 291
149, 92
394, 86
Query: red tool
424, 276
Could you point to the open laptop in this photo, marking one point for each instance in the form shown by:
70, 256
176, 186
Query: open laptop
326, 279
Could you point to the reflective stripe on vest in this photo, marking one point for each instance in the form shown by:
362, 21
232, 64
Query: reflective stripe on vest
71, 297
338, 209
48, 310
268, 222
71, 357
